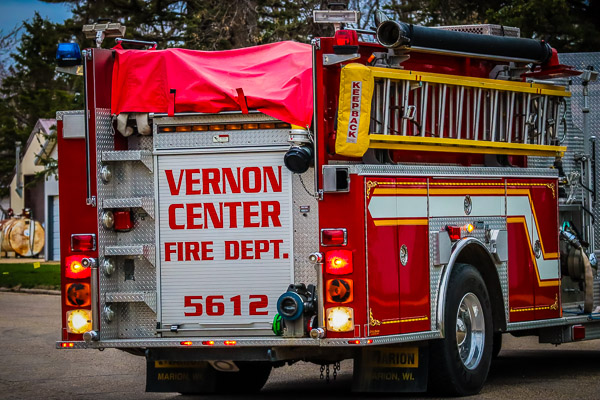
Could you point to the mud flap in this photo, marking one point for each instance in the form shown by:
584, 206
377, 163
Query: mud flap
179, 376
391, 369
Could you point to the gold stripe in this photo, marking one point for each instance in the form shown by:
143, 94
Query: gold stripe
399, 191
467, 191
398, 321
548, 283
397, 222
553, 306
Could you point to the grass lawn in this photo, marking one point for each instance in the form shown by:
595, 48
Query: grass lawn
46, 276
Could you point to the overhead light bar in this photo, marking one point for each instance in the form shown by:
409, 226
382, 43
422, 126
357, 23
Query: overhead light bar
100, 31
335, 16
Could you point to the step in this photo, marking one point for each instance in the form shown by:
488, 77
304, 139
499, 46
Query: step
144, 156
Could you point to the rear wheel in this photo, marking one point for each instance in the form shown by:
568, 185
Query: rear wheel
460, 362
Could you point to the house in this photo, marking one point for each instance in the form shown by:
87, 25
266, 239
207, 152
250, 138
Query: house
28, 190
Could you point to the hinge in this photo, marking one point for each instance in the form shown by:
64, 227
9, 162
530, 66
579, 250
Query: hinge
316, 42
91, 201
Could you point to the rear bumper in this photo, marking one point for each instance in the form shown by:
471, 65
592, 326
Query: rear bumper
197, 342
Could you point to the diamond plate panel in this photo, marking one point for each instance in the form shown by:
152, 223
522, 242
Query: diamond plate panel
145, 203
59, 114
581, 61
143, 156
436, 272
306, 227
187, 140
149, 298
132, 179
195, 140
426, 170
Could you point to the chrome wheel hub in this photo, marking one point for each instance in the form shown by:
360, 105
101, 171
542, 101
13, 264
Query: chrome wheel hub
470, 331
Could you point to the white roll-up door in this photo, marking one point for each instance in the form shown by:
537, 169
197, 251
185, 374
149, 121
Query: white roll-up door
54, 233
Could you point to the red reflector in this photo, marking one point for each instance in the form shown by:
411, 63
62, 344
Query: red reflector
230, 343
123, 220
338, 262
208, 342
346, 38
369, 341
453, 232
74, 268
333, 237
578, 332
67, 345
353, 341
186, 343
86, 242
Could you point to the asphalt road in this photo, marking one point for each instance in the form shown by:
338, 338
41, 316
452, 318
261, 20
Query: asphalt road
31, 367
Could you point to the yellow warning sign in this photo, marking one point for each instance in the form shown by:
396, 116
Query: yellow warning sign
178, 364
394, 357
36, 265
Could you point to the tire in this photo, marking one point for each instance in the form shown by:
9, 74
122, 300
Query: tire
459, 363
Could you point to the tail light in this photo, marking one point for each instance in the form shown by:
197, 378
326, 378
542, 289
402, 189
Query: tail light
77, 294
338, 262
334, 237
75, 268
77, 288
79, 321
453, 232
339, 290
85, 242
340, 319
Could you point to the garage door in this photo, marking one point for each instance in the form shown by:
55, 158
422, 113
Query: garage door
54, 239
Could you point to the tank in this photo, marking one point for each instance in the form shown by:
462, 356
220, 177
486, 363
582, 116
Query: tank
24, 236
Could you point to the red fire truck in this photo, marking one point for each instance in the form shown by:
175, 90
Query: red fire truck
402, 202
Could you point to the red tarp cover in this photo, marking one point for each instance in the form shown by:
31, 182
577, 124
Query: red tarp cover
276, 79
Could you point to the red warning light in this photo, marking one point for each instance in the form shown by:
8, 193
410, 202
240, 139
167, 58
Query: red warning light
346, 38
453, 232
338, 262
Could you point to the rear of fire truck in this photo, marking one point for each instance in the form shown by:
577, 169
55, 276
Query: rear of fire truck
224, 213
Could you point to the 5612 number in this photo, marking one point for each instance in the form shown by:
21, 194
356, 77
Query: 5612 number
215, 305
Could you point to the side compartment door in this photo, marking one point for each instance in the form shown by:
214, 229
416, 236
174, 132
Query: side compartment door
398, 261
382, 256
413, 245
533, 266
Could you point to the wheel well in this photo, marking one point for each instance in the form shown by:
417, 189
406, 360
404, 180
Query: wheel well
481, 260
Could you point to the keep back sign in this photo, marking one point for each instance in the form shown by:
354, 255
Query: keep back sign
225, 232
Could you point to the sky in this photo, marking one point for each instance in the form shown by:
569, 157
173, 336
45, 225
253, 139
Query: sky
13, 12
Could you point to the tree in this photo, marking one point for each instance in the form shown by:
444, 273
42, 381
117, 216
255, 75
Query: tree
32, 89
201, 24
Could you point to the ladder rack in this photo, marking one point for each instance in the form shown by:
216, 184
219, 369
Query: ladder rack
423, 111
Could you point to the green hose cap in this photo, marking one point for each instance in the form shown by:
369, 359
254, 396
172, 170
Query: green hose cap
277, 325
